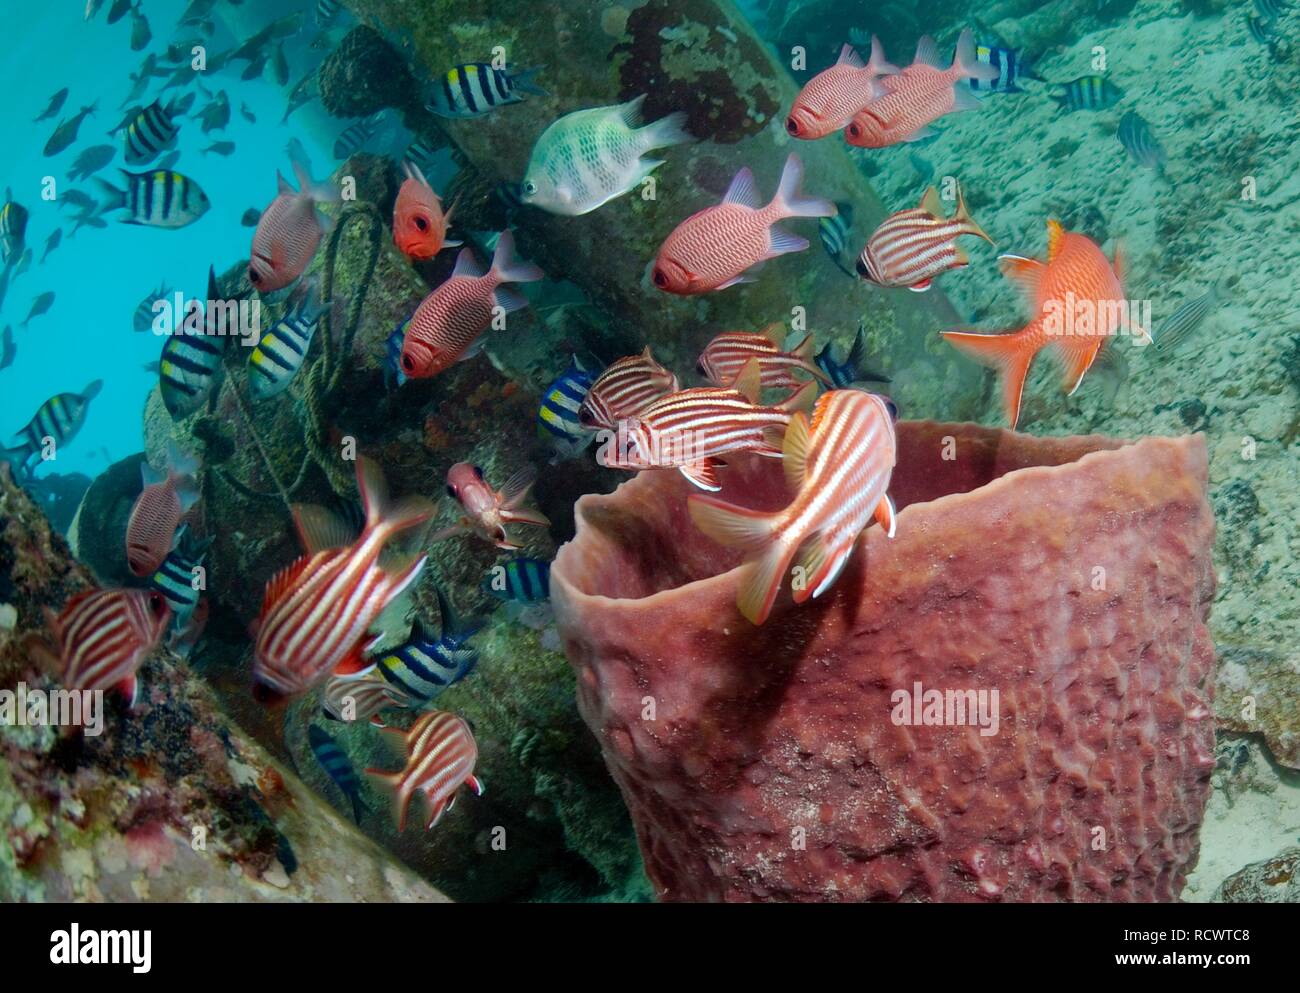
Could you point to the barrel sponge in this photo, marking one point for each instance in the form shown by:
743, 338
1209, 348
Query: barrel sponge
1073, 576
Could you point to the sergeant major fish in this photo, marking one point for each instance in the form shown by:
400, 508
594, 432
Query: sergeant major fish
338, 767
160, 198
276, 359
477, 88
557, 417
54, 425
429, 661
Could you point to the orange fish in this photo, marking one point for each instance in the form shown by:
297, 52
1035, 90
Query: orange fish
919, 95
1078, 302
839, 469
419, 224
158, 511
829, 100
440, 758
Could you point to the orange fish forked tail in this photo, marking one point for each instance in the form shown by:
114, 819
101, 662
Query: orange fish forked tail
1010, 354
754, 532
391, 784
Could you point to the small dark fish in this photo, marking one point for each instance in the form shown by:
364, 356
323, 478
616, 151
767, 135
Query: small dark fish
140, 33
854, 368
143, 318
40, 305
66, 133
54, 106
1087, 93
1176, 328
51, 243
1140, 142
78, 199
255, 69
91, 160
338, 767
251, 216
118, 10
220, 148
247, 114
86, 220
280, 66
7, 347
183, 104
216, 115
834, 232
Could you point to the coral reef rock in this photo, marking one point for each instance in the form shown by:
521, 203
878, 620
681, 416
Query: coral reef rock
1275, 880
1070, 576
170, 803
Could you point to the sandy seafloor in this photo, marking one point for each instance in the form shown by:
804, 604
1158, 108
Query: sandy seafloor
1224, 111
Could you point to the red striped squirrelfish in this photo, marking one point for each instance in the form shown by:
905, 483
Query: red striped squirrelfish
839, 469
1078, 301
919, 95
316, 612
104, 635
158, 510
419, 224
913, 246
690, 430
489, 511
447, 325
440, 757
623, 389
288, 232
713, 248
829, 100
723, 358
361, 698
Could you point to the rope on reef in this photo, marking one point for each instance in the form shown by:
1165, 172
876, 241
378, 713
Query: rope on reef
324, 375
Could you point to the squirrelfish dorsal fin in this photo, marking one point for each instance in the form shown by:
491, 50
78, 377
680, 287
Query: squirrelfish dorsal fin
794, 450
749, 380
1055, 235
930, 202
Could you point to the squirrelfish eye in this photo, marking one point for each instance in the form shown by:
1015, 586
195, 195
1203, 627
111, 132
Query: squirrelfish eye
451, 492
660, 278
253, 276
408, 364
478, 472
422, 224
157, 605
792, 125
862, 268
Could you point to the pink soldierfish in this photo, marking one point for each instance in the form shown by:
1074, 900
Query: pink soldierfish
158, 510
288, 233
714, 248
829, 100
489, 511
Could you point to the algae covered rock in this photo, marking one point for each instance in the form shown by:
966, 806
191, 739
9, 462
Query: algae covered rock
171, 802
364, 75
98, 533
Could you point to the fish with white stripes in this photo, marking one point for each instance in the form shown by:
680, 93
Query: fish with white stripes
150, 132
625, 388
478, 88
839, 468
276, 359
159, 198
440, 757
54, 425
913, 246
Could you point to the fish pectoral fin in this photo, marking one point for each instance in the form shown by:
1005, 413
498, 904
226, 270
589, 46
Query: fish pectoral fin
1077, 356
921, 287
887, 516
735, 280
354, 663
130, 689
476, 784
434, 810
703, 474
1025, 273
922, 133
795, 450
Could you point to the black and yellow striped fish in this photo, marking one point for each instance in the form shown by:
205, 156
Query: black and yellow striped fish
1087, 93
13, 228
191, 363
277, 358
151, 131
55, 424
159, 198
427, 663
477, 88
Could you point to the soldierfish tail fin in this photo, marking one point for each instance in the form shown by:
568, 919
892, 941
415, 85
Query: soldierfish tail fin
753, 531
509, 269
391, 783
966, 64
790, 200
322, 192
380, 515
666, 131
1010, 354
